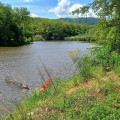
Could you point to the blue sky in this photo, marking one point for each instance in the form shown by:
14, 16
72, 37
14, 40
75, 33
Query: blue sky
52, 9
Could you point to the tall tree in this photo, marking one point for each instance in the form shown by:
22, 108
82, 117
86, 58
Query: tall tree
14, 25
22, 18
109, 30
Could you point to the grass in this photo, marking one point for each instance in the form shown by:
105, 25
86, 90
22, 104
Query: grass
96, 99
92, 93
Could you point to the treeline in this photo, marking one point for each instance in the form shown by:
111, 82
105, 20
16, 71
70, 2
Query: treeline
107, 33
85, 21
56, 29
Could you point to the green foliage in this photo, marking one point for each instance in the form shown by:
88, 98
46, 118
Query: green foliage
102, 57
81, 37
108, 31
56, 29
13, 26
85, 66
103, 8
108, 36
84, 36
85, 21
106, 58
38, 38
100, 112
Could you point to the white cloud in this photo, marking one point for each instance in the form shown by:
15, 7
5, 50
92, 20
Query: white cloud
62, 10
27, 0
34, 15
65, 7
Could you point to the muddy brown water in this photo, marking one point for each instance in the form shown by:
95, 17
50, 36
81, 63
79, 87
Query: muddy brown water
24, 61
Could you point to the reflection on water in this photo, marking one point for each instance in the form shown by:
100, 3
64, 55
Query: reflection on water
24, 61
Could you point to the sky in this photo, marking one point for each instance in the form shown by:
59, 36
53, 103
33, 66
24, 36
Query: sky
52, 9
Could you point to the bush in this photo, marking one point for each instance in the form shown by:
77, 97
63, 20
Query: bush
100, 57
81, 37
85, 66
38, 38
107, 59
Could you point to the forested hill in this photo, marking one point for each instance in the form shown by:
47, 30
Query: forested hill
86, 21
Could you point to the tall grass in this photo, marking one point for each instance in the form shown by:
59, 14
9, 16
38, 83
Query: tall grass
101, 57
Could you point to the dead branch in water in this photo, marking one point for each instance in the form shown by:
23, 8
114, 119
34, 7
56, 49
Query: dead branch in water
12, 80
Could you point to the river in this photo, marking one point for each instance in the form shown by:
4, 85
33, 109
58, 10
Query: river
23, 61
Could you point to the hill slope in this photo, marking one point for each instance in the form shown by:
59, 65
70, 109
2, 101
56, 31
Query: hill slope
86, 21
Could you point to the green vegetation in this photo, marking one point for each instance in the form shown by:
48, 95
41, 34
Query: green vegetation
38, 38
14, 24
108, 31
56, 29
84, 21
86, 36
82, 37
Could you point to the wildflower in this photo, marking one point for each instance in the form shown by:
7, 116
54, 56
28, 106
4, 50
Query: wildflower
74, 72
44, 86
85, 58
43, 91
49, 80
47, 84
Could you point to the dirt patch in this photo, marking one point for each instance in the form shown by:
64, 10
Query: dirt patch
73, 90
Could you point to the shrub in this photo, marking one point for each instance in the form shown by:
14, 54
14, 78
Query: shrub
38, 38
106, 58
81, 37
85, 66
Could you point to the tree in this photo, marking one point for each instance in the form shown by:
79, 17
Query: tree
23, 19
14, 25
8, 29
109, 12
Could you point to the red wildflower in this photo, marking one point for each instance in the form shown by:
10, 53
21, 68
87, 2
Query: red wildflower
43, 86
43, 91
74, 72
47, 84
49, 80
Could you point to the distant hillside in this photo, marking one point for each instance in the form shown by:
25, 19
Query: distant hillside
86, 21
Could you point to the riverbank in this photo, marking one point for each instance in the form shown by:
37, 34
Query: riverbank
81, 37
93, 99
92, 93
